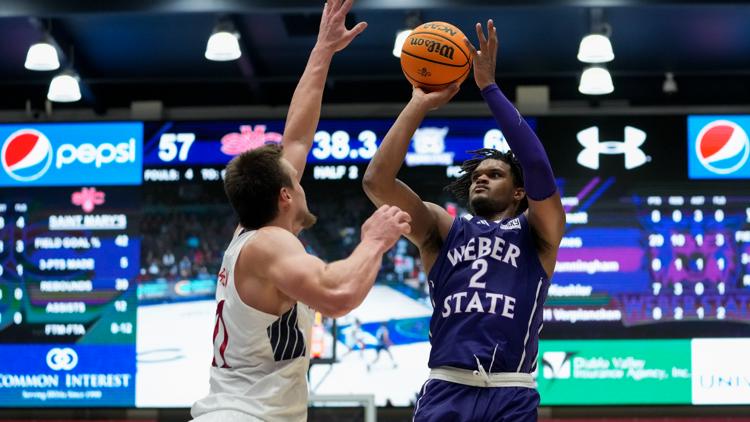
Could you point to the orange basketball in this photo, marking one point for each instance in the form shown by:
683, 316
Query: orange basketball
434, 55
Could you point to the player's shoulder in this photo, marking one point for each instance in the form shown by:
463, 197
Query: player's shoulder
437, 210
443, 223
270, 240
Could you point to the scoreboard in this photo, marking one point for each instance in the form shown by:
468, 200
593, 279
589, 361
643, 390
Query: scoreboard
110, 234
67, 271
69, 256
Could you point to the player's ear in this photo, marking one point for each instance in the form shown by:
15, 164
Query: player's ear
285, 197
519, 194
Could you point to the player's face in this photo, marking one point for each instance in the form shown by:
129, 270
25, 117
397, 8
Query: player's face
299, 200
492, 189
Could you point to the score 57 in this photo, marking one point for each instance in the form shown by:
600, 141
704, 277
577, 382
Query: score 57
168, 150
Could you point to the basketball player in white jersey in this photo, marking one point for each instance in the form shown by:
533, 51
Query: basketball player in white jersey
268, 283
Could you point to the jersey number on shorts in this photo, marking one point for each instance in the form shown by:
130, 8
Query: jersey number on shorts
224, 338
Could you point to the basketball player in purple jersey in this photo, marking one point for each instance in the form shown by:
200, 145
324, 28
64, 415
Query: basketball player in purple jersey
489, 272
268, 283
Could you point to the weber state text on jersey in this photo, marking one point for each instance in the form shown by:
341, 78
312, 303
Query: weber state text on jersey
487, 287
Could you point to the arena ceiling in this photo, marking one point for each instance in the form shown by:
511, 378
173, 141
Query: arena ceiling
130, 50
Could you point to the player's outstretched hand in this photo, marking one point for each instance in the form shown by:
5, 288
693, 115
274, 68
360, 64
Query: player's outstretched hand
433, 100
386, 226
485, 59
333, 34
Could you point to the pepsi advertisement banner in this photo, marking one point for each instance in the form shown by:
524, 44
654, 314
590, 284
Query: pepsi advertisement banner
70, 154
718, 147
437, 142
67, 375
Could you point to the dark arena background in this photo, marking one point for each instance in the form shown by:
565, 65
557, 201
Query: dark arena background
113, 226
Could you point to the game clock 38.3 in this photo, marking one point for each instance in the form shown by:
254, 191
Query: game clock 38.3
336, 145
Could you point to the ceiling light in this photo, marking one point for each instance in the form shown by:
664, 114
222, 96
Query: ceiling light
670, 85
412, 20
42, 56
224, 44
596, 81
400, 39
595, 48
64, 88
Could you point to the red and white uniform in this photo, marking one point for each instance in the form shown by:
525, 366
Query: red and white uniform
260, 360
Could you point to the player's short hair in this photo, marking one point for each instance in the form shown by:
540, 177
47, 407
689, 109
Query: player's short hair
252, 183
460, 187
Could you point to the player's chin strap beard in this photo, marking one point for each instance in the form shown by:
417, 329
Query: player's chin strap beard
480, 369
309, 220
483, 207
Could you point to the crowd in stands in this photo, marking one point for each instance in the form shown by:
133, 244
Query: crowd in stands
185, 240
184, 244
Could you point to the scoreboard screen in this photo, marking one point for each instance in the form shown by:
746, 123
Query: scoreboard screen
112, 234
69, 256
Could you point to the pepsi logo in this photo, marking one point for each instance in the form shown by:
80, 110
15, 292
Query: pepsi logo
722, 147
26, 155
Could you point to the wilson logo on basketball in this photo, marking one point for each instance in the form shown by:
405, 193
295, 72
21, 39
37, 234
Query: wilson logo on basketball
26, 155
435, 47
722, 147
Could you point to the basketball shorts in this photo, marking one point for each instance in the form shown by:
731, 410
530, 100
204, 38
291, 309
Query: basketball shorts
445, 401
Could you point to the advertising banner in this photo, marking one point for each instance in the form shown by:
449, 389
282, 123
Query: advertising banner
608, 372
67, 375
721, 370
71, 154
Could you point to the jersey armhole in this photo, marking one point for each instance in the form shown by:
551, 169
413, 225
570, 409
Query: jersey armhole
232, 287
444, 247
529, 232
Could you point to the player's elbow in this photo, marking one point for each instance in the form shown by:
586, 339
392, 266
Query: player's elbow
374, 185
335, 312
369, 181
340, 303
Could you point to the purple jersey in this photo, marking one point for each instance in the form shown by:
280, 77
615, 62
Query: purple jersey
487, 287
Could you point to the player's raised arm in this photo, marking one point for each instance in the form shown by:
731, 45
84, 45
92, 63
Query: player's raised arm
304, 109
546, 214
380, 182
336, 288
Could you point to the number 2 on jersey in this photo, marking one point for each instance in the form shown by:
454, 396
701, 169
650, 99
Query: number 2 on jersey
481, 265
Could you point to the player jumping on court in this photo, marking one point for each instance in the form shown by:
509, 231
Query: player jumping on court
384, 343
268, 282
488, 274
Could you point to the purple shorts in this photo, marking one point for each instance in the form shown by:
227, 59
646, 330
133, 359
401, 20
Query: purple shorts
444, 401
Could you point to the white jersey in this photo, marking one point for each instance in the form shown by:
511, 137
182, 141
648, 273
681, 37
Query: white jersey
260, 360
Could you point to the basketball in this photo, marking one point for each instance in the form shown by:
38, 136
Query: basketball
434, 55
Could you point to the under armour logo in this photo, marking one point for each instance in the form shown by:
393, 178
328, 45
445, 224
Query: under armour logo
634, 138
